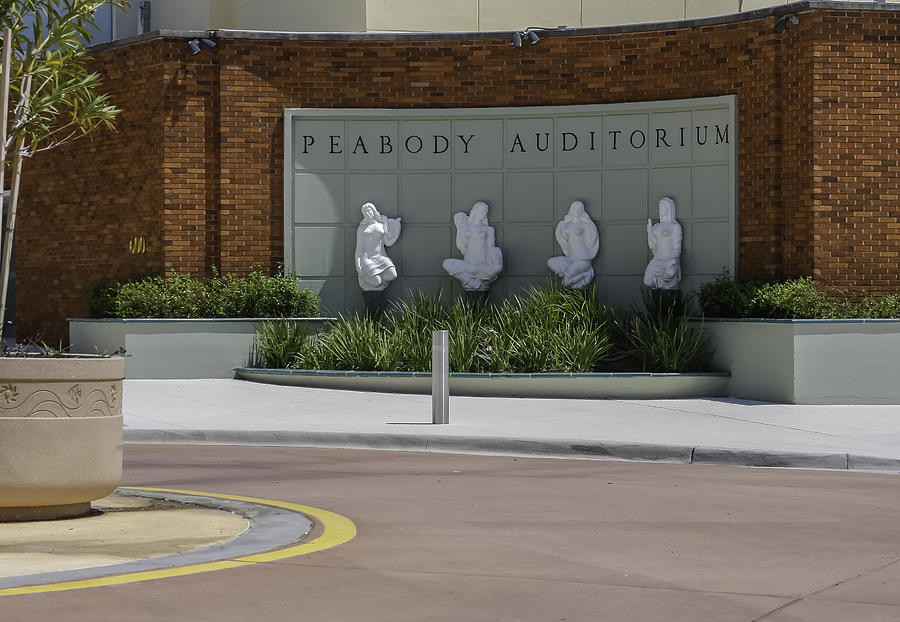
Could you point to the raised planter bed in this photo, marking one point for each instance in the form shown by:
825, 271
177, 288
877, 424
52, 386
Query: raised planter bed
809, 361
585, 386
173, 348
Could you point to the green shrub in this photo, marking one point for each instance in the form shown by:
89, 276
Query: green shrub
258, 295
725, 297
101, 298
887, 307
181, 296
796, 298
791, 299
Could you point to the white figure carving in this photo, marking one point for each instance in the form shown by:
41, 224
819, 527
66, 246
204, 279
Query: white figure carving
373, 266
482, 261
664, 238
580, 241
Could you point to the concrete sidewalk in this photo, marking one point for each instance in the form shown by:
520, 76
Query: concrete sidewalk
713, 431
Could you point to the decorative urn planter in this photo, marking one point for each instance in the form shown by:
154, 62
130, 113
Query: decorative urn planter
60, 434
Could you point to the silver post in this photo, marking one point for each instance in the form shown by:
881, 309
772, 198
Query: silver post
440, 376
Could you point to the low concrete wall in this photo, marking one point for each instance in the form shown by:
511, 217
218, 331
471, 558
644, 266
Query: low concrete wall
173, 348
809, 361
584, 386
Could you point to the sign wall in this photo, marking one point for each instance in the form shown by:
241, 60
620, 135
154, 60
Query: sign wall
528, 164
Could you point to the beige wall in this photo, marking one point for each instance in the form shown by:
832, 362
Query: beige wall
460, 15
280, 15
420, 15
180, 15
607, 12
298, 15
505, 14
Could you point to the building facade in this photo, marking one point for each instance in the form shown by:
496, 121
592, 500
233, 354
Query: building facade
196, 171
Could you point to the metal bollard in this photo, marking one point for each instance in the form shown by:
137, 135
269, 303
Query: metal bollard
440, 376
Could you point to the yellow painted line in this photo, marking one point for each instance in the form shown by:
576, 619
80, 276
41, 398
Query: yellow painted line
338, 530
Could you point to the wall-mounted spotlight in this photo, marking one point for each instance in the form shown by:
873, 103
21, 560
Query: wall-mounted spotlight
531, 34
196, 45
781, 24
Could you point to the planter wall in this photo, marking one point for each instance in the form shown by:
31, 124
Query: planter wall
60, 435
173, 348
577, 386
809, 361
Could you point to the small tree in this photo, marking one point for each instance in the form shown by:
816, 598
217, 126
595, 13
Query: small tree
47, 95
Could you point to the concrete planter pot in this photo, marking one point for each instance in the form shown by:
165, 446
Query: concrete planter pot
60, 435
809, 361
174, 348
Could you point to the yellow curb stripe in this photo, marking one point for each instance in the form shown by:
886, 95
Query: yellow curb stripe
337, 530
133, 577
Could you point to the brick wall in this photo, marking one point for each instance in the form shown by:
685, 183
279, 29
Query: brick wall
197, 164
83, 203
856, 183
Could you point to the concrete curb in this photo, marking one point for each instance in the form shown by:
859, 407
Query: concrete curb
495, 445
269, 528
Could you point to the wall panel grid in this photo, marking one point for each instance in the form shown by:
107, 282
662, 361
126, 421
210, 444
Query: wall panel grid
528, 164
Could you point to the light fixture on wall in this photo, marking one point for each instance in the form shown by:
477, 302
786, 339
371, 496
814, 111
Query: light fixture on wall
531, 34
196, 45
528, 33
781, 24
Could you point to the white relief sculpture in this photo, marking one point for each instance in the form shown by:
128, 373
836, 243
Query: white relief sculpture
482, 261
664, 238
580, 241
373, 266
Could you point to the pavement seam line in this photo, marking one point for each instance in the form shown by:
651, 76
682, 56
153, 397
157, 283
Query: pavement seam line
803, 597
337, 530
731, 418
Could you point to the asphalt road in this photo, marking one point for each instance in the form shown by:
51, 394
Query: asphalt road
462, 537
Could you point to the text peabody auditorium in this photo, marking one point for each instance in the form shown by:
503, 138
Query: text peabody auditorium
520, 141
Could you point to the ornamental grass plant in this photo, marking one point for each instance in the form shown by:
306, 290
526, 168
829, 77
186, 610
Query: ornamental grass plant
546, 329
661, 337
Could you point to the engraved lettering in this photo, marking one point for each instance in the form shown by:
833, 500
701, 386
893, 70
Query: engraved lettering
360, 144
445, 146
386, 146
615, 136
643, 138
721, 135
307, 142
565, 141
417, 149
335, 144
537, 140
705, 135
661, 137
465, 141
517, 141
